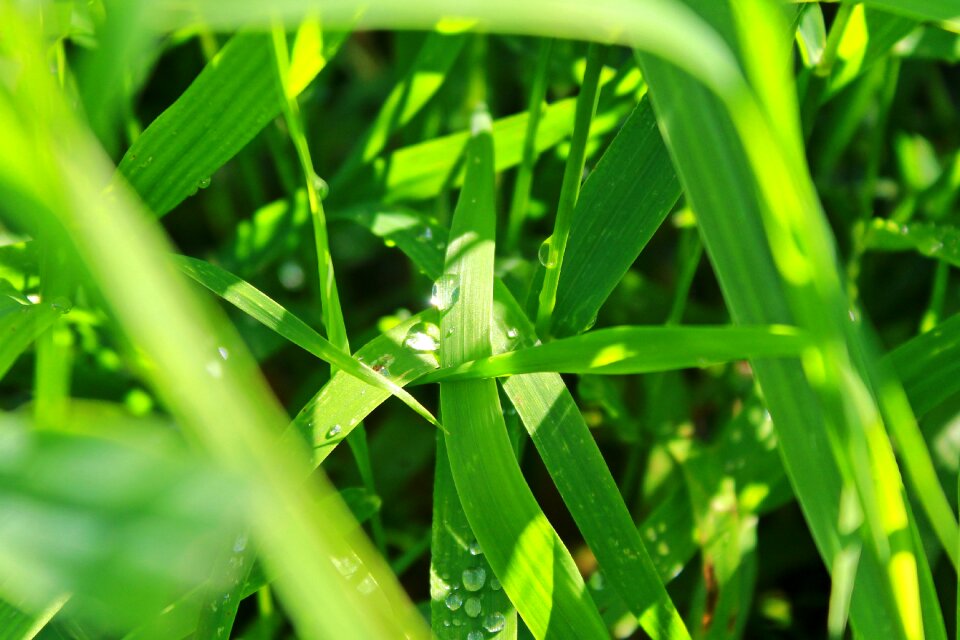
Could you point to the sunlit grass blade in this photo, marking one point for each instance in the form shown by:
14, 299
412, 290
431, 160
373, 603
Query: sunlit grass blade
255, 303
16, 624
527, 556
556, 245
626, 350
614, 219
231, 100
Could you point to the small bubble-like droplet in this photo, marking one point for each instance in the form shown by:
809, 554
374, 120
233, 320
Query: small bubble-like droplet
453, 601
446, 291
334, 431
474, 548
495, 584
423, 337
475, 635
203, 183
544, 253
473, 579
472, 607
663, 548
291, 275
494, 622
321, 187
224, 352
513, 333
240, 543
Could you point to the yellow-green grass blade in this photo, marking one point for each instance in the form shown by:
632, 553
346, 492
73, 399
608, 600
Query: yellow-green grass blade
17, 624
556, 245
527, 556
938, 241
421, 82
232, 99
623, 202
268, 312
942, 12
630, 350
20, 325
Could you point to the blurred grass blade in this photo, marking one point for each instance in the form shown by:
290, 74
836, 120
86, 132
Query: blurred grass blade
928, 366
16, 624
231, 100
944, 12
527, 556
556, 244
630, 350
938, 241
20, 325
614, 219
256, 304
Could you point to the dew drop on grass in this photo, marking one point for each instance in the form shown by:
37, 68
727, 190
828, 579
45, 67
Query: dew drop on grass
513, 333
472, 607
291, 275
446, 291
426, 235
474, 548
544, 253
446, 623
475, 635
334, 431
473, 579
663, 549
240, 543
224, 352
453, 601
495, 584
423, 337
321, 187
494, 622
203, 183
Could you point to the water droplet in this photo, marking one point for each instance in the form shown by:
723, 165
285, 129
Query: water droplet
423, 337
382, 364
61, 305
475, 635
213, 607
334, 431
446, 623
475, 549
203, 183
513, 333
291, 275
651, 534
473, 579
590, 323
219, 631
495, 584
663, 548
494, 622
215, 369
544, 254
446, 291
367, 586
321, 187
426, 235
456, 622
472, 607
240, 543
453, 601
224, 353
449, 331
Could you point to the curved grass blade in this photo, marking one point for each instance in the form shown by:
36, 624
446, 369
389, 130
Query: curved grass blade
232, 99
262, 308
16, 624
928, 366
938, 241
524, 551
627, 350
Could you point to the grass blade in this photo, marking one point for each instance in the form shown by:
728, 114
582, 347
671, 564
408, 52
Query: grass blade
256, 304
21, 325
630, 350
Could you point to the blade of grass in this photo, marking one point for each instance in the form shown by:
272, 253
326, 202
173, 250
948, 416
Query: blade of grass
524, 551
570, 188
259, 306
21, 325
631, 350
232, 100
15, 624
521, 188
938, 241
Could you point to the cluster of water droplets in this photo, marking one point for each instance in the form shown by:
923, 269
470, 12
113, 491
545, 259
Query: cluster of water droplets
468, 598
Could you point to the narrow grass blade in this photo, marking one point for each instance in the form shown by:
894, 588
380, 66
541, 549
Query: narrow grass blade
630, 350
255, 303
938, 241
928, 366
21, 325
570, 189
521, 188
231, 100
943, 12
16, 624
524, 551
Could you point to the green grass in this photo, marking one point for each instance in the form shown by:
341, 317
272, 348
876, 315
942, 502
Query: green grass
698, 253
